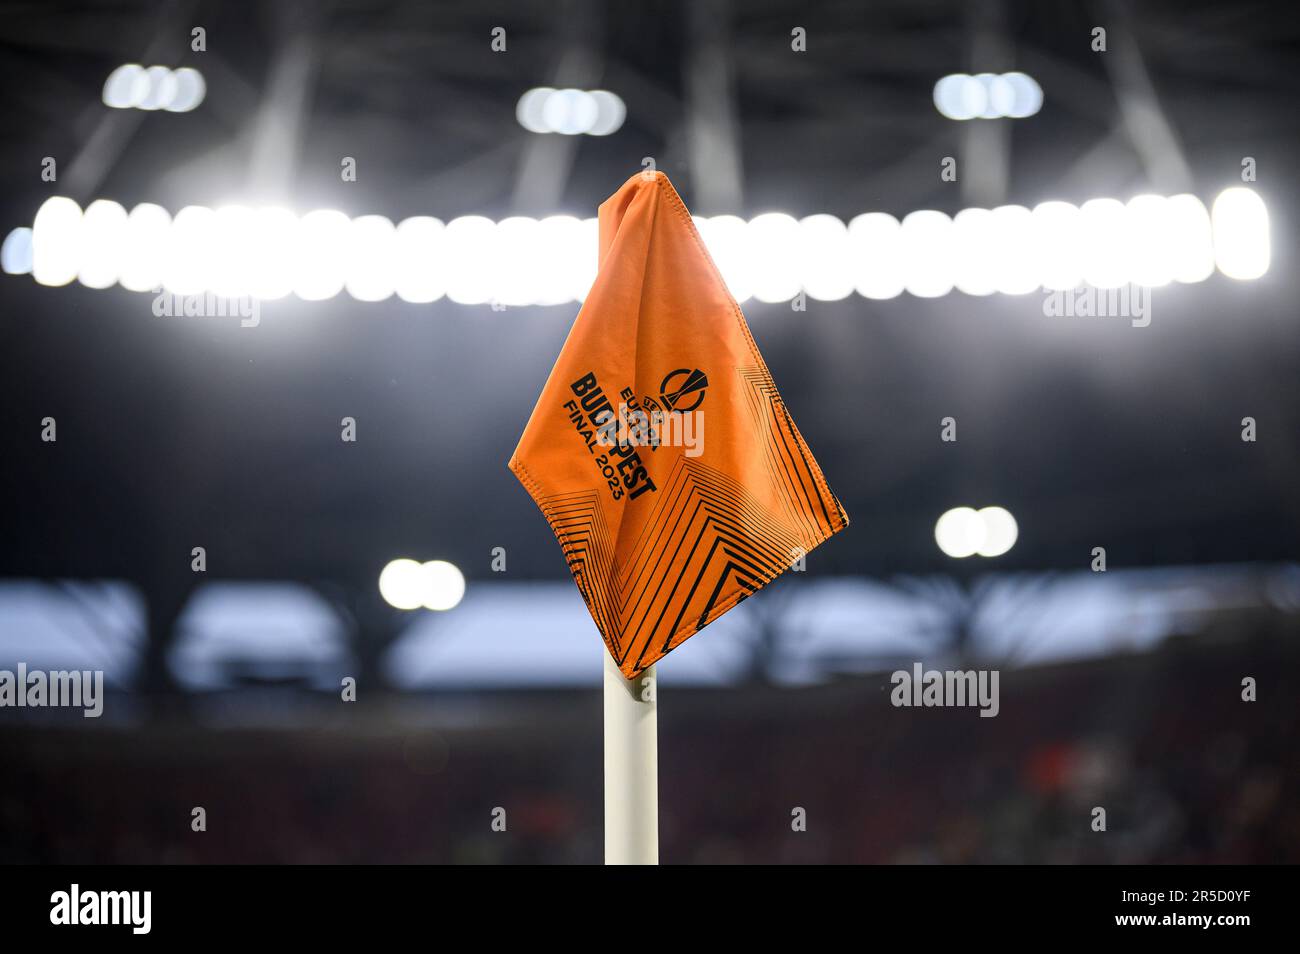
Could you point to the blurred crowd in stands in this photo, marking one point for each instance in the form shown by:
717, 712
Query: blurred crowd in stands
1185, 770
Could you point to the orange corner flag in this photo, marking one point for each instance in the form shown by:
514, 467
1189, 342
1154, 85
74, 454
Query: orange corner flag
659, 451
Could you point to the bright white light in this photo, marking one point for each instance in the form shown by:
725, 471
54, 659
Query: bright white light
274, 247
1191, 238
1103, 225
162, 88
517, 264
727, 239
825, 258
144, 247
987, 96
444, 585
188, 269
371, 258
560, 256
976, 252
999, 96
57, 241
472, 277
1027, 95
995, 251
404, 584
158, 87
323, 255
610, 113
974, 98
877, 255
588, 262
928, 254
419, 260
126, 86
774, 244
1016, 266
236, 251
964, 531
570, 112
1242, 247
231, 264
1057, 236
16, 253
407, 584
1151, 245
960, 532
103, 231
950, 97
189, 92
1000, 531
529, 109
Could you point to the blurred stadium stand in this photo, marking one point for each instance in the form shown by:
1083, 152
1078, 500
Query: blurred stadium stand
1186, 771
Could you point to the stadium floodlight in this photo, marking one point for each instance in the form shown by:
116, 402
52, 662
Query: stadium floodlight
1000, 531
57, 241
471, 264
419, 258
322, 257
188, 257
409, 584
825, 258
444, 585
103, 233
974, 252
16, 253
517, 266
132, 86
370, 271
964, 531
774, 239
402, 584
960, 532
1104, 243
1242, 247
878, 255
144, 247
929, 260
988, 96
570, 112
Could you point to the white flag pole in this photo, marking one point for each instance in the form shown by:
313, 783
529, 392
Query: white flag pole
631, 767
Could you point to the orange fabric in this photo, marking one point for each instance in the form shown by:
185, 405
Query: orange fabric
664, 539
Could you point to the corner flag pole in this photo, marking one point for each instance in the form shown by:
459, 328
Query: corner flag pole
631, 767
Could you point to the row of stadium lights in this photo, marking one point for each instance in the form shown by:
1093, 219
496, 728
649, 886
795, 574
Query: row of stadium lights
269, 253
573, 112
988, 96
570, 112
132, 86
